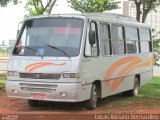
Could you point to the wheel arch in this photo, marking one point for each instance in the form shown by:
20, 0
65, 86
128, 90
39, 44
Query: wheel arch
98, 87
139, 78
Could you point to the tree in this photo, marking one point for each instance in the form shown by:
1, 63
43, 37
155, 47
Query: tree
143, 7
4, 3
3, 51
39, 7
34, 7
156, 40
86, 6
156, 46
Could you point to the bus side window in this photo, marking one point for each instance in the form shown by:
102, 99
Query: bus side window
132, 40
104, 37
118, 40
91, 47
145, 40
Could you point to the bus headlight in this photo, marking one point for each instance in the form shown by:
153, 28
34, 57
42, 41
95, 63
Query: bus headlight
12, 73
71, 75
66, 75
74, 75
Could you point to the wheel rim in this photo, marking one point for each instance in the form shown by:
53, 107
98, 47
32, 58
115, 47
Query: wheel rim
136, 89
95, 96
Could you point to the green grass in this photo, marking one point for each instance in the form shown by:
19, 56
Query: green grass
151, 90
2, 79
2, 82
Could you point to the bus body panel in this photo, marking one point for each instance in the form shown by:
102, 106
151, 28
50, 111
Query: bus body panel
116, 73
75, 92
45, 66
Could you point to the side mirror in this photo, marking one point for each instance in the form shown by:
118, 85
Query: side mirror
19, 27
92, 37
18, 32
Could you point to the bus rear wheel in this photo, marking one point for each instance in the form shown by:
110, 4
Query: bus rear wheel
134, 91
33, 103
136, 87
92, 102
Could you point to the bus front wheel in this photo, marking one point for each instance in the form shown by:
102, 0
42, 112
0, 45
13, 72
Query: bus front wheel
92, 102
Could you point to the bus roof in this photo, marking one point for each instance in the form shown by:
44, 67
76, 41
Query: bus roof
107, 17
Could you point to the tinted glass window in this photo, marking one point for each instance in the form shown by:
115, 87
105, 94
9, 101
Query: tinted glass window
62, 33
91, 49
118, 47
131, 33
144, 34
131, 40
145, 46
117, 40
104, 38
145, 40
117, 32
132, 47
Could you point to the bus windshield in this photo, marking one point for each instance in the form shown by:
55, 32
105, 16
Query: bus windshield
40, 37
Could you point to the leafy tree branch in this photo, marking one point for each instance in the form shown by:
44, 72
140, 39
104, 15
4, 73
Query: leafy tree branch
86, 6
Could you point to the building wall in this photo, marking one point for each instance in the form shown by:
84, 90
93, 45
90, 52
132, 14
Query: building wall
152, 19
126, 8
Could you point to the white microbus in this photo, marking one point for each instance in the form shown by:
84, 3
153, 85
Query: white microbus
79, 57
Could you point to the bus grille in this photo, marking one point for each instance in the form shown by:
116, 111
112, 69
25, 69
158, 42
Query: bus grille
39, 76
42, 88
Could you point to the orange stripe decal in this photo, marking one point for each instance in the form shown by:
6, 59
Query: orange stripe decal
117, 64
35, 66
123, 72
39, 66
133, 63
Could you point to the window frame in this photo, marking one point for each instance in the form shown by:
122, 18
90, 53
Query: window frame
137, 30
124, 43
150, 47
109, 38
19, 35
87, 38
151, 41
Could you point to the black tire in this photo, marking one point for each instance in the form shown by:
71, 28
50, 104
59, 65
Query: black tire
92, 102
33, 103
134, 91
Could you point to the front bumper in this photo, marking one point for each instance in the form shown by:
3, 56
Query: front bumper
75, 92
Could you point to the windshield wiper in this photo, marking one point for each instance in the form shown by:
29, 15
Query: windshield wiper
32, 50
58, 50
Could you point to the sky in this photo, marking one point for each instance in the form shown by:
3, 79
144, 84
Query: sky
13, 14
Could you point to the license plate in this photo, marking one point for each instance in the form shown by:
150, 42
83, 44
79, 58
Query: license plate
38, 96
